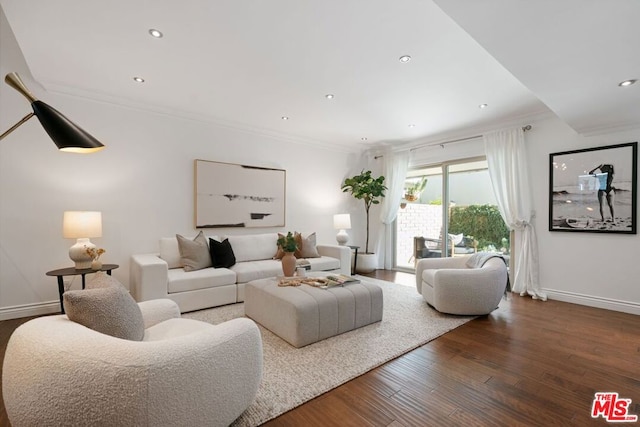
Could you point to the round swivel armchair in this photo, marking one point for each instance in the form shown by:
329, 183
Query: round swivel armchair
184, 372
460, 285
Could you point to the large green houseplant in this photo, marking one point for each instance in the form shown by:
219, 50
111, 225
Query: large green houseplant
368, 189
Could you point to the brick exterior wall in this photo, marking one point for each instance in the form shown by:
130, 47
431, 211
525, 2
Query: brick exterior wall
412, 221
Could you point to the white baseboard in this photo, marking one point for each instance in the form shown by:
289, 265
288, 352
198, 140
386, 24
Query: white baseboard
53, 307
28, 310
593, 301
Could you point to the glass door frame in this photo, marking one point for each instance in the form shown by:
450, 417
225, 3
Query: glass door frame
445, 203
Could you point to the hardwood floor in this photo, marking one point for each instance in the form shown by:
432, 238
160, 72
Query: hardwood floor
529, 363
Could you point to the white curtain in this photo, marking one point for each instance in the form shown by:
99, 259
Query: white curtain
507, 158
395, 166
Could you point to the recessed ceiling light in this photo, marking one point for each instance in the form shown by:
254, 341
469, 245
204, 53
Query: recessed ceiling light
412, 125
627, 82
364, 138
405, 58
155, 33
285, 117
139, 79
329, 96
481, 106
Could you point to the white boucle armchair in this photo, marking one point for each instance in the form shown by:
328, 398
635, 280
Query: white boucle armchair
450, 286
184, 373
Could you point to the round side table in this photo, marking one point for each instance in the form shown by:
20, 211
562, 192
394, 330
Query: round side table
71, 271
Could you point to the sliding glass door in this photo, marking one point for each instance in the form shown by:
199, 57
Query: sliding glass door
419, 216
453, 200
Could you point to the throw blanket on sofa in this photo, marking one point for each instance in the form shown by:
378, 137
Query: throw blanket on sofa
477, 260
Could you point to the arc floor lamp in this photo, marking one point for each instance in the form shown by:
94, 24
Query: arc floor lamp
65, 134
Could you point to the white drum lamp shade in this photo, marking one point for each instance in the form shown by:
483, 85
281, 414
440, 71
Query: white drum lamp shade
342, 222
81, 225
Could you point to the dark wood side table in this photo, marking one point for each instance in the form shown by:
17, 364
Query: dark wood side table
71, 271
355, 260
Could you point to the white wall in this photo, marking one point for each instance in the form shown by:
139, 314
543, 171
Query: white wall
142, 182
593, 269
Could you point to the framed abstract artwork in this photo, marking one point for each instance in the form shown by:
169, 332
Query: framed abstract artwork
233, 195
594, 189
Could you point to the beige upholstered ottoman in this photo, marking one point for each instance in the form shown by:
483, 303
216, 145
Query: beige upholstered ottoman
303, 315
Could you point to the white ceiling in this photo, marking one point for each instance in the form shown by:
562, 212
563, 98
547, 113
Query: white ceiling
571, 53
245, 64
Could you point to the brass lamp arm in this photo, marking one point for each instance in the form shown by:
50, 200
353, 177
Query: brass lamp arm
14, 127
13, 80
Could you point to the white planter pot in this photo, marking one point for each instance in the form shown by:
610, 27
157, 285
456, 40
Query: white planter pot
366, 263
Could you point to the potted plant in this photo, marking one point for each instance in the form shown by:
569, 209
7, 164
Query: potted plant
370, 190
414, 189
288, 245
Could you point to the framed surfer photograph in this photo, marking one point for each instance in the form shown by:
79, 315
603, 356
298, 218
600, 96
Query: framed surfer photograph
594, 189
232, 195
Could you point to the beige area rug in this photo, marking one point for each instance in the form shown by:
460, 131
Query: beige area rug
293, 376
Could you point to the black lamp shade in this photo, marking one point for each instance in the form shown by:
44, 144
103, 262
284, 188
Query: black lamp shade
64, 133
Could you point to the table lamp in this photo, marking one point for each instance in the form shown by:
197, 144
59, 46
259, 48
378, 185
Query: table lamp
342, 222
81, 225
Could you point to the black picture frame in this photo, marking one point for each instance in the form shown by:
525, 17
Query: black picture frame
585, 184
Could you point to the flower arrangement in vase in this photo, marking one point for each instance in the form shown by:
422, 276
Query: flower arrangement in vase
95, 253
288, 245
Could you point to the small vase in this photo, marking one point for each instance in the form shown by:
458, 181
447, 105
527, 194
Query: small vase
288, 264
96, 264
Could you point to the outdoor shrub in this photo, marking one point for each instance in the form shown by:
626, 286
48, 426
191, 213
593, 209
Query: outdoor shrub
483, 222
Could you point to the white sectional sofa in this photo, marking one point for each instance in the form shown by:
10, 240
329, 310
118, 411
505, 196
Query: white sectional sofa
160, 275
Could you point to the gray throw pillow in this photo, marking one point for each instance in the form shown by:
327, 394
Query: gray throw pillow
106, 307
309, 249
194, 254
111, 311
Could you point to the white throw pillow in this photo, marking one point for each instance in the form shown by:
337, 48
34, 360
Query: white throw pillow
456, 238
254, 247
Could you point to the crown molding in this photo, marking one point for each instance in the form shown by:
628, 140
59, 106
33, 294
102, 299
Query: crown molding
200, 118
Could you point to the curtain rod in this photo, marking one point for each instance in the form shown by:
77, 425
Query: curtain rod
453, 141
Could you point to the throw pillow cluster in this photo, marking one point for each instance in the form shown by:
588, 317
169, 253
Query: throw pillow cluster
306, 246
196, 254
106, 307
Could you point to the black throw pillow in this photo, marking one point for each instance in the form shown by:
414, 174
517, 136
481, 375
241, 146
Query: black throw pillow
221, 253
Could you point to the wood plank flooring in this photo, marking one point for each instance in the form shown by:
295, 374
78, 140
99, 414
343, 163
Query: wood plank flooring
529, 363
